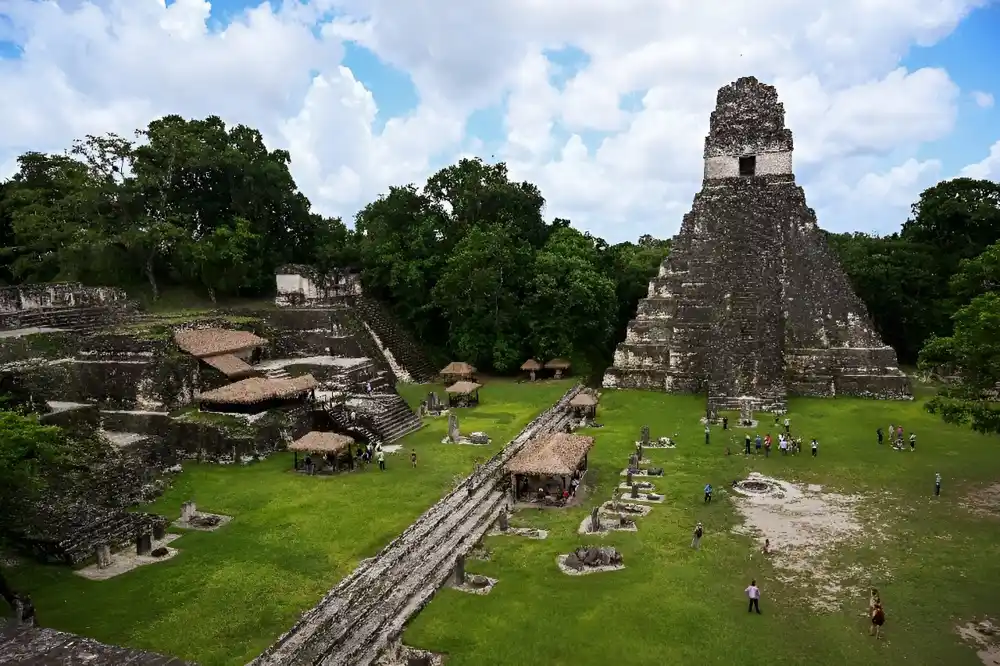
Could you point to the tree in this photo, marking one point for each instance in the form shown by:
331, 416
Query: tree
480, 293
958, 217
972, 351
572, 306
224, 258
28, 450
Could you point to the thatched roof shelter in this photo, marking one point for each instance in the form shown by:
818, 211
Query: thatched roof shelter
202, 342
259, 389
557, 364
531, 365
321, 442
558, 454
458, 369
583, 400
463, 388
230, 366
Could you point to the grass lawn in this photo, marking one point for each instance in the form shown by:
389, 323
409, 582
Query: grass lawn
228, 594
937, 566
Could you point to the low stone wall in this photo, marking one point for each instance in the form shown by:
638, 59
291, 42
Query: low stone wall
57, 295
36, 645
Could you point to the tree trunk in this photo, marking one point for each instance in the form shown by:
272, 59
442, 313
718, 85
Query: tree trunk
211, 295
151, 276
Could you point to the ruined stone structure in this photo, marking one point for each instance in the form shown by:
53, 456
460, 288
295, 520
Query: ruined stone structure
366, 611
33, 645
303, 288
751, 302
62, 305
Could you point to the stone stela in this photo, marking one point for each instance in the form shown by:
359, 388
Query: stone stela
751, 304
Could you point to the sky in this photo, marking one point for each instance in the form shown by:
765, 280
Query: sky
603, 105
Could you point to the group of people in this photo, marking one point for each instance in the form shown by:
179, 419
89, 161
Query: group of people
896, 437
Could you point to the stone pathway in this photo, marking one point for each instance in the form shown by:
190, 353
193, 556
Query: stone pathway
359, 618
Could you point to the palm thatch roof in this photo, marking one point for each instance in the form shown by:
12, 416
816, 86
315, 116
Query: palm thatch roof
462, 388
230, 366
558, 454
259, 389
557, 364
203, 342
583, 400
321, 442
458, 369
531, 364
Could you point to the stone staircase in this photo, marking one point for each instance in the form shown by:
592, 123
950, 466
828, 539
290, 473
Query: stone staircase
394, 418
82, 320
277, 373
406, 351
360, 617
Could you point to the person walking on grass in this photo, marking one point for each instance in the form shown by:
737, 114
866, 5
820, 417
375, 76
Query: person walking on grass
878, 619
413, 457
696, 537
708, 493
708, 432
937, 484
788, 426
747, 442
381, 460
753, 594
878, 433
913, 441
815, 446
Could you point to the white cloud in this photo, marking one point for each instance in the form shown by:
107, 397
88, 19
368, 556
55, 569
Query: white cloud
983, 99
986, 169
113, 65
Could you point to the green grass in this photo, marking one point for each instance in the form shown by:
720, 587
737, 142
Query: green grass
228, 594
671, 605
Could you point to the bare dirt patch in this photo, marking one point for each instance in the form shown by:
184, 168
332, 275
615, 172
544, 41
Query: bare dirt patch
984, 502
806, 527
984, 636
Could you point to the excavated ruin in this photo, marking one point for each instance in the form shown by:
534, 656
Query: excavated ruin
751, 304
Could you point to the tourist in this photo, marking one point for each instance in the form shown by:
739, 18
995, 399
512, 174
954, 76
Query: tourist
815, 444
767, 547
788, 426
696, 538
747, 442
413, 457
368, 387
309, 465
913, 441
878, 619
757, 442
725, 423
381, 460
757, 446
783, 446
753, 594
899, 433
878, 433
708, 493
574, 484
708, 431
937, 484
892, 433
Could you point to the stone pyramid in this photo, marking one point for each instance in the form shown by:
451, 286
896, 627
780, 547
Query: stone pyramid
751, 305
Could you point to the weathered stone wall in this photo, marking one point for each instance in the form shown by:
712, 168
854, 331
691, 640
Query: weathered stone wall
303, 286
751, 302
57, 295
35, 645
61, 305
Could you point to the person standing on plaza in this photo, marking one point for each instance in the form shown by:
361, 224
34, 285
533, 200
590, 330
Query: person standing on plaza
753, 594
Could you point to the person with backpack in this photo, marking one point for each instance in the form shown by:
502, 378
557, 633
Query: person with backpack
696, 538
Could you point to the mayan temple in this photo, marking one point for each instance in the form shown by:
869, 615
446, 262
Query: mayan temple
751, 305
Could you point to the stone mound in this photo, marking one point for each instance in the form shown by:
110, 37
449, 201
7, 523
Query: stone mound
593, 556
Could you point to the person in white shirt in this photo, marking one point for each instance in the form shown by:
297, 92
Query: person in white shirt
937, 484
753, 594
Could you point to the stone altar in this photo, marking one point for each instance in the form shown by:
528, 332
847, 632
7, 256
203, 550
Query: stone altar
454, 435
751, 303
